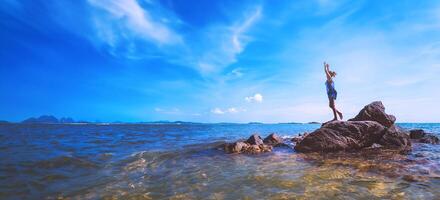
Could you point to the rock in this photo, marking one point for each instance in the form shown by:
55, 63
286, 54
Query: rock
420, 136
416, 133
273, 139
375, 112
430, 139
255, 139
395, 138
253, 145
299, 137
235, 147
342, 135
254, 149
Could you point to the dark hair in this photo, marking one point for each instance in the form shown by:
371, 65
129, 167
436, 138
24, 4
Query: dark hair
332, 73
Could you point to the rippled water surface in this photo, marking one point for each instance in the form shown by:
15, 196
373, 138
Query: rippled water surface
182, 162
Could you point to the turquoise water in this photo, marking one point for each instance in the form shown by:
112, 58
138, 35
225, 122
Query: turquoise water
172, 161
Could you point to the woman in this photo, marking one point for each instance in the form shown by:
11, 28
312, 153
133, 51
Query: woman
331, 91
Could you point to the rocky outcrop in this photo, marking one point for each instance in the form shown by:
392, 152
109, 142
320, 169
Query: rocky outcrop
371, 126
273, 139
342, 135
254, 144
375, 112
419, 135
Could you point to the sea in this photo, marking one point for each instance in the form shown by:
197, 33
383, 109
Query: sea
184, 161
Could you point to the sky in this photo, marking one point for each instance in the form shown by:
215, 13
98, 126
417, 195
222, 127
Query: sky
217, 61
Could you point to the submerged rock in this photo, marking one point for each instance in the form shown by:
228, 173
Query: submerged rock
420, 136
375, 112
273, 139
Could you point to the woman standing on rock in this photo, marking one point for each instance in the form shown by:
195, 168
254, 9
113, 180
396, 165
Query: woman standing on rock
331, 91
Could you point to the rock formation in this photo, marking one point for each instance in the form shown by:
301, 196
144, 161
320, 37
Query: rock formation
371, 126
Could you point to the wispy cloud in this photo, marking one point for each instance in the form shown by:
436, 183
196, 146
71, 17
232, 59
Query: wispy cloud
125, 24
231, 110
225, 42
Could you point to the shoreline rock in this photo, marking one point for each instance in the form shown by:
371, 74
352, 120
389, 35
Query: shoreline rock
420, 136
371, 126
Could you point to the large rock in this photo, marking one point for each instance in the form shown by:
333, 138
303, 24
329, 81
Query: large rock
375, 112
342, 135
273, 139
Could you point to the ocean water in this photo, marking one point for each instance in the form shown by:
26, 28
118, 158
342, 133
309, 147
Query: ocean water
179, 161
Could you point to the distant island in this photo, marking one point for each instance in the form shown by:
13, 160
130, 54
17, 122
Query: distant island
49, 119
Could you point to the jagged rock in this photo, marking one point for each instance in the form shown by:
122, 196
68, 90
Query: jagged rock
420, 136
375, 112
342, 135
253, 145
273, 139
371, 126
255, 139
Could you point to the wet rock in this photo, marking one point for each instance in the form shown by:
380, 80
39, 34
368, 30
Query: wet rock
273, 139
342, 135
430, 139
395, 138
420, 136
299, 137
254, 149
375, 112
416, 133
252, 146
255, 139
235, 147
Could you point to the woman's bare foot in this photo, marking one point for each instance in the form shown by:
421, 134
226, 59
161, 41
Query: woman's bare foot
340, 115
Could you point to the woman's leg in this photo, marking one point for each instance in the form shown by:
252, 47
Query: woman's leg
337, 111
332, 106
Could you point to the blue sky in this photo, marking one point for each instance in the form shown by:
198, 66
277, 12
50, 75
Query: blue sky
217, 61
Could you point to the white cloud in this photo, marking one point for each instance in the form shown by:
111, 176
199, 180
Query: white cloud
231, 110
256, 98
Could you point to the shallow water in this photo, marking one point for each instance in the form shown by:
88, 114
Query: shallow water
182, 162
